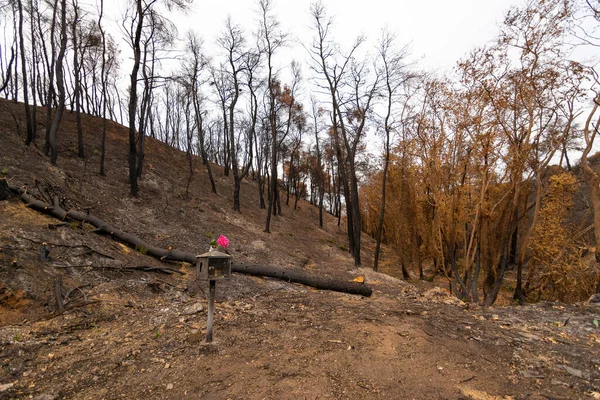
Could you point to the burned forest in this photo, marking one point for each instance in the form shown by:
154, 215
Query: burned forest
271, 214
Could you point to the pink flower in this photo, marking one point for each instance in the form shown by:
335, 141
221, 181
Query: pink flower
223, 241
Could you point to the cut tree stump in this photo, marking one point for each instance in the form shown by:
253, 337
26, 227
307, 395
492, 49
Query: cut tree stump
304, 278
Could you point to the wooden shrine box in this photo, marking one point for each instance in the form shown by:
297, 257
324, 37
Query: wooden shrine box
214, 265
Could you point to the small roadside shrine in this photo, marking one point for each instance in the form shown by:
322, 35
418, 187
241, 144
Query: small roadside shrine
212, 266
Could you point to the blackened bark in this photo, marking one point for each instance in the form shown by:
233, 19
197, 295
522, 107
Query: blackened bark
316, 281
491, 297
273, 131
29, 138
383, 186
474, 294
237, 176
133, 174
51, 71
200, 127
34, 52
77, 74
321, 180
104, 91
8, 76
59, 84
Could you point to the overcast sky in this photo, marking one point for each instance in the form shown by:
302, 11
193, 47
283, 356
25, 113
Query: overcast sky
439, 32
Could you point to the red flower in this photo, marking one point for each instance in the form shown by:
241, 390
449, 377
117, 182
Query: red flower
223, 241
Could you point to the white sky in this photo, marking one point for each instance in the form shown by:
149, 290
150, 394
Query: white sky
439, 32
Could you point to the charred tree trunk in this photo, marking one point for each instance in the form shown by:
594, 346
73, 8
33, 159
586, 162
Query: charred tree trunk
199, 125
77, 88
259, 174
274, 189
59, 84
8, 77
51, 68
356, 218
383, 189
137, 54
103, 78
29, 137
34, 52
316, 281
321, 181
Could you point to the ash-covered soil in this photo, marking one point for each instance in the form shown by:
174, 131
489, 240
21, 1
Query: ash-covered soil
135, 334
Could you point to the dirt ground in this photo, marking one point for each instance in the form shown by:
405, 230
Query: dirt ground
134, 334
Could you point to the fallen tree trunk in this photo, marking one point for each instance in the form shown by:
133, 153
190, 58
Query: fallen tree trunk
318, 282
102, 227
301, 277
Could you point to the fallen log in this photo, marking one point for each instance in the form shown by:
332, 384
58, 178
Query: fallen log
304, 278
102, 227
312, 280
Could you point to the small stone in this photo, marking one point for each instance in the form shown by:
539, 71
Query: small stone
193, 309
170, 386
529, 336
575, 372
46, 396
532, 374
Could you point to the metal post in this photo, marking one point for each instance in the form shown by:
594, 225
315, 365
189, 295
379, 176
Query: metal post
211, 309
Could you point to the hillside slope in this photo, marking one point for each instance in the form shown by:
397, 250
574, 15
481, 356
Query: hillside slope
138, 334
162, 215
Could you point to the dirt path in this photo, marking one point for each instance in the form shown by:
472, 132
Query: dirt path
280, 341
141, 335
